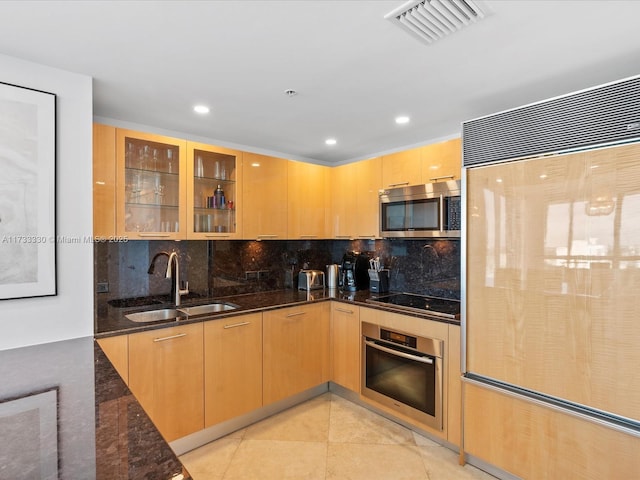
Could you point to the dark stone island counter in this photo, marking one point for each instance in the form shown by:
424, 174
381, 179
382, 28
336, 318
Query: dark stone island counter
65, 413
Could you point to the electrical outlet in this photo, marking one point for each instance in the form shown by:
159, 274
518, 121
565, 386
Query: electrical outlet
102, 287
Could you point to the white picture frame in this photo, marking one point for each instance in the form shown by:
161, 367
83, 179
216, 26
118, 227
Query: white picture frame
27, 192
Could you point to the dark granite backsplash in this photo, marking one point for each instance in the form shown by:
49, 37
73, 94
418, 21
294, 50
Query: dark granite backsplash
230, 267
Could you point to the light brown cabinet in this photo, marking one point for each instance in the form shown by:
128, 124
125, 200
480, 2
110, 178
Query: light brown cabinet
166, 376
104, 181
264, 194
306, 207
345, 345
214, 205
150, 186
454, 386
354, 199
531, 440
402, 168
232, 367
441, 161
296, 350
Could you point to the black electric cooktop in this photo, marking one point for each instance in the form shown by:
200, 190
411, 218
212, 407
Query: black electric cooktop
441, 307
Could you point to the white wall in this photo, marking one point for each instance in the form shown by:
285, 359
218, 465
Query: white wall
32, 321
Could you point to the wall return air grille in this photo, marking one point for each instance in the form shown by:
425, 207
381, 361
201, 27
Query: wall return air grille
431, 20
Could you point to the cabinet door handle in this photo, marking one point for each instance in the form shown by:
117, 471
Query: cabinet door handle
343, 236
398, 184
433, 179
366, 236
153, 234
350, 312
269, 235
171, 337
308, 236
241, 324
216, 236
295, 314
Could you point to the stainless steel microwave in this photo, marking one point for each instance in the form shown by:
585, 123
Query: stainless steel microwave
429, 210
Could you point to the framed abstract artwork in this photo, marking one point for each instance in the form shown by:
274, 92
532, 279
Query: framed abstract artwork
27, 192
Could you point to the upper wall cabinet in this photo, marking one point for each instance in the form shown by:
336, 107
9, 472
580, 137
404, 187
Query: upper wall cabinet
104, 181
354, 199
213, 203
442, 161
264, 197
402, 168
307, 203
151, 186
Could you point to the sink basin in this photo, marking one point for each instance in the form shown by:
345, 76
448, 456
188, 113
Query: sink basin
208, 308
155, 315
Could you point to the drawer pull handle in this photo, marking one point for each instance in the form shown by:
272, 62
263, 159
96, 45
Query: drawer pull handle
398, 184
435, 179
241, 324
162, 339
350, 312
295, 314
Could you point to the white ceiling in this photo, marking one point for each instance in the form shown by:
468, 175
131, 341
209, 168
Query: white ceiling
354, 71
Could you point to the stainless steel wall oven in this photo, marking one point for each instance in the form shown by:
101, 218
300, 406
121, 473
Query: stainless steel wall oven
403, 372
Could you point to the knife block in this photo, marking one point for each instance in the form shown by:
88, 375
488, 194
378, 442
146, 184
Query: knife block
379, 283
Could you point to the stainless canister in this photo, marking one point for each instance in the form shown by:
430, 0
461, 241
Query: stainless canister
332, 276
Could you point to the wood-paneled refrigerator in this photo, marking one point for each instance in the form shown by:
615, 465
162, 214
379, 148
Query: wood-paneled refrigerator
551, 288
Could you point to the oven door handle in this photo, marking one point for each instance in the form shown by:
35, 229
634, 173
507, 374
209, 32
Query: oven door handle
398, 353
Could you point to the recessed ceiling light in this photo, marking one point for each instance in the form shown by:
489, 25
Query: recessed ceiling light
402, 120
255, 164
330, 141
201, 109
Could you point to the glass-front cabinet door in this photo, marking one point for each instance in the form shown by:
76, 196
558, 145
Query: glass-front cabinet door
212, 191
151, 193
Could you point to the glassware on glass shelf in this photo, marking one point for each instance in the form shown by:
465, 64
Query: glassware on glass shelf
199, 167
129, 155
156, 155
170, 160
145, 156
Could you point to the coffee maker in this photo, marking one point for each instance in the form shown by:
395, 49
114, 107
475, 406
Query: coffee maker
353, 271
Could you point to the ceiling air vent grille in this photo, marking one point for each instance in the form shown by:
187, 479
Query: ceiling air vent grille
431, 20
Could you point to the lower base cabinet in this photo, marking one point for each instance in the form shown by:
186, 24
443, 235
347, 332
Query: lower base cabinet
165, 375
345, 345
536, 442
232, 367
296, 350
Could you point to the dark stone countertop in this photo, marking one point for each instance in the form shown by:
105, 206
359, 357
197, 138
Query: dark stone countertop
66, 413
112, 321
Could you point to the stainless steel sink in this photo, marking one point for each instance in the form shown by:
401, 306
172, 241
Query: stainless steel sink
208, 308
156, 315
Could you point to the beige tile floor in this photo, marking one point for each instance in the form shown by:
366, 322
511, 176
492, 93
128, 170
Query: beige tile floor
326, 438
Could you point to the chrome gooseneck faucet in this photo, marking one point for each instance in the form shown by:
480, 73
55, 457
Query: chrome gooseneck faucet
173, 272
